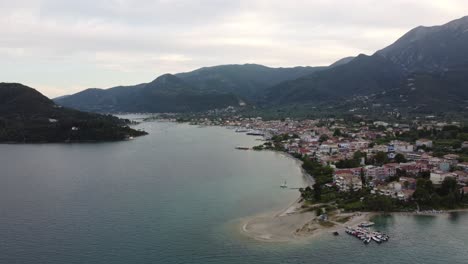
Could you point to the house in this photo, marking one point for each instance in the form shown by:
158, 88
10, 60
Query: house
380, 123
413, 167
444, 166
391, 168
462, 176
345, 180
452, 159
463, 166
395, 187
400, 146
408, 183
408, 194
424, 142
437, 177
384, 190
379, 148
376, 173
464, 144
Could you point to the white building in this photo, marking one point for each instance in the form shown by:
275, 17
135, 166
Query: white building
424, 142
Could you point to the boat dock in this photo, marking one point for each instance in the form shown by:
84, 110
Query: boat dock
366, 235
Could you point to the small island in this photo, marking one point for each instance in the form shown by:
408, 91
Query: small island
27, 116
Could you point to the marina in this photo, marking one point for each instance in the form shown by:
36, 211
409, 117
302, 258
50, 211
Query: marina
366, 235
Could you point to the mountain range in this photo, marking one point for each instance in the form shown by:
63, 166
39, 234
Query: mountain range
426, 70
203, 89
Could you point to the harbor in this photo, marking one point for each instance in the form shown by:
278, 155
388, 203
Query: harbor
366, 235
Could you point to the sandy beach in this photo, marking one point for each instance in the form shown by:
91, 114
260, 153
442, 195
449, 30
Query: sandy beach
293, 224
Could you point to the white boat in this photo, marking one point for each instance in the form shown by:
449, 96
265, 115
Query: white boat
284, 185
366, 224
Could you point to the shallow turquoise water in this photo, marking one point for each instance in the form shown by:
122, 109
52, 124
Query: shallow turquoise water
174, 197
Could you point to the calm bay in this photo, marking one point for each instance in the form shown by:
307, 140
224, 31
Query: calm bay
175, 196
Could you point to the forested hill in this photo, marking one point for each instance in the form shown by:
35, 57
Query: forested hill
27, 116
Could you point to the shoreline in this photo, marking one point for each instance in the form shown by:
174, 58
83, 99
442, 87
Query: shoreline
293, 225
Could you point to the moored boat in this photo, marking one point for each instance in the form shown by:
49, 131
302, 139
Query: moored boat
242, 148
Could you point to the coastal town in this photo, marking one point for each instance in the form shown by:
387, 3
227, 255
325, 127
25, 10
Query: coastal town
379, 150
355, 168
358, 168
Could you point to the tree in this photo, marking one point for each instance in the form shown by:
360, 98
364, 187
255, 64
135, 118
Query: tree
358, 155
449, 185
400, 158
317, 191
401, 173
380, 203
323, 138
423, 191
337, 133
424, 174
363, 177
380, 158
318, 211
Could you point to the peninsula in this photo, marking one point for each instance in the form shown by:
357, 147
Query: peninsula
27, 116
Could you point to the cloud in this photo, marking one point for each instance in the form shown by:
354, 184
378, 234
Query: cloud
70, 45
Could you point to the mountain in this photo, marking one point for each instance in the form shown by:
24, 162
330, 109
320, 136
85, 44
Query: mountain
247, 81
362, 75
431, 49
28, 116
342, 61
200, 90
426, 70
167, 93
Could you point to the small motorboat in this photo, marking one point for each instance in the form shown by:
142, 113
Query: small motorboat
284, 185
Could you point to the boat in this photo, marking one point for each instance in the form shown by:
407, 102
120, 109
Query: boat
366, 224
242, 148
255, 133
367, 241
376, 239
240, 130
284, 185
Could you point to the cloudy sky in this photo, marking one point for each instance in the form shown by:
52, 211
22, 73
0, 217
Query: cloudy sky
63, 46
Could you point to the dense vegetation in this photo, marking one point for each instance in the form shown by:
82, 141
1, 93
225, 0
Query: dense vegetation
248, 81
200, 90
28, 116
446, 196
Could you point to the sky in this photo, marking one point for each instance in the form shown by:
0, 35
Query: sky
61, 47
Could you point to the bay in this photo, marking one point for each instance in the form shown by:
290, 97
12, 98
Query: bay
175, 196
